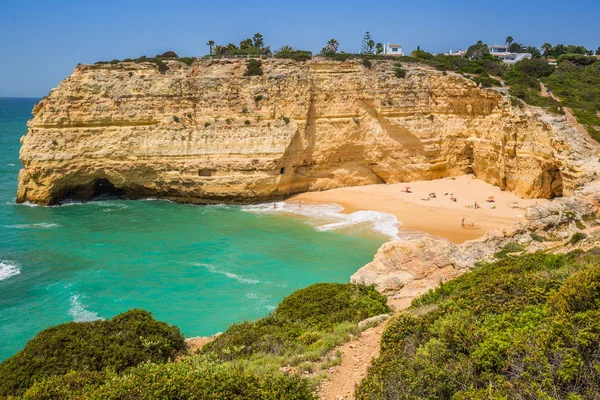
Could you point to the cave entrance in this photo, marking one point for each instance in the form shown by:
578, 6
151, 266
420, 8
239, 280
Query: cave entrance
99, 187
104, 187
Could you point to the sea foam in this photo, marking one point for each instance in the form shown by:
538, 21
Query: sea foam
78, 311
41, 225
7, 270
328, 217
230, 275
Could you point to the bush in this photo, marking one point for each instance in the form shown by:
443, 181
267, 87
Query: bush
577, 237
197, 378
366, 63
309, 321
296, 55
168, 54
73, 386
580, 292
577, 59
253, 68
324, 304
118, 343
523, 327
399, 71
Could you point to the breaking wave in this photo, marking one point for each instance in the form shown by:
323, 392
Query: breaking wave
78, 311
230, 275
7, 270
328, 217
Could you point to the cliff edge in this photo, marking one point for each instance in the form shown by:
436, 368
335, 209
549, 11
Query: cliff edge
205, 133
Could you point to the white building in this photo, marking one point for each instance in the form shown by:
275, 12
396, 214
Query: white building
393, 50
501, 52
459, 53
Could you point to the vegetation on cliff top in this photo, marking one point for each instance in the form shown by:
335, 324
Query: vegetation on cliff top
523, 327
130, 356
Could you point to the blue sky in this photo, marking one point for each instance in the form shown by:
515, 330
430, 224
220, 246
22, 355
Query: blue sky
42, 41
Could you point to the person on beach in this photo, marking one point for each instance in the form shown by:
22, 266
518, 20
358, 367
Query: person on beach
476, 206
274, 205
300, 204
463, 222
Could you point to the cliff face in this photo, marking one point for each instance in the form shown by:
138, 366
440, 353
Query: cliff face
206, 133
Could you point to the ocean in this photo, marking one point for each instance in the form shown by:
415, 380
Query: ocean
201, 268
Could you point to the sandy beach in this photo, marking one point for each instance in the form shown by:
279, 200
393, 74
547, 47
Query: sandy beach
439, 216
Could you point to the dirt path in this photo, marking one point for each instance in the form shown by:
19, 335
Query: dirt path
357, 356
570, 116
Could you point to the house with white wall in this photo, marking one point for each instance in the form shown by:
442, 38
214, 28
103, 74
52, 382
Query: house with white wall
393, 49
501, 52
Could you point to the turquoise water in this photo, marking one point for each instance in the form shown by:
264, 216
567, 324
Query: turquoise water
200, 268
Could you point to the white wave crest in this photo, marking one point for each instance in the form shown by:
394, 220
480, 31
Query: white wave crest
41, 225
78, 311
7, 270
328, 217
230, 275
10, 164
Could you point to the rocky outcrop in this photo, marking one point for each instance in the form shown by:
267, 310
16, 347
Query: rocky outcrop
205, 133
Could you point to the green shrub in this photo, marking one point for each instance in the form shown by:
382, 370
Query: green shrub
324, 304
118, 343
580, 292
186, 60
73, 386
366, 63
196, 378
537, 237
399, 72
296, 55
253, 68
286, 120
176, 118
577, 237
577, 59
307, 323
246, 122
512, 247
522, 327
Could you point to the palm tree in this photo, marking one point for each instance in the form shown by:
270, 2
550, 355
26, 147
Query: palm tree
509, 40
332, 46
371, 45
220, 50
210, 45
285, 49
547, 47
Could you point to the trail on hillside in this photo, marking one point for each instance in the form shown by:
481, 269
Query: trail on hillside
357, 356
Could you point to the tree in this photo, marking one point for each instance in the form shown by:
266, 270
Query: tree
477, 51
365, 43
598, 51
547, 47
220, 50
509, 40
331, 47
515, 47
210, 45
258, 40
246, 44
371, 45
379, 48
285, 49
533, 51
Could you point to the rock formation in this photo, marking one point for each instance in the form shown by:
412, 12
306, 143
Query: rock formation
205, 133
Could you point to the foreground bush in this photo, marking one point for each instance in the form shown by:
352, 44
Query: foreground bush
524, 327
119, 343
306, 324
197, 378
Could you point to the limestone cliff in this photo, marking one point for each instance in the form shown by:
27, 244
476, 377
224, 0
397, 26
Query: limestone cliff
206, 133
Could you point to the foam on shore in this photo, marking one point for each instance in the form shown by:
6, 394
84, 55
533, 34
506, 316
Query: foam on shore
328, 217
78, 311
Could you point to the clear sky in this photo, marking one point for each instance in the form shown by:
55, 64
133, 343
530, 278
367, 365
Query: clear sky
41, 41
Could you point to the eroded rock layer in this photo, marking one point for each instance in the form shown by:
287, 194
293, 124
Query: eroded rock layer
206, 133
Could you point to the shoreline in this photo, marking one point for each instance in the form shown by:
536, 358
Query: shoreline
437, 216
